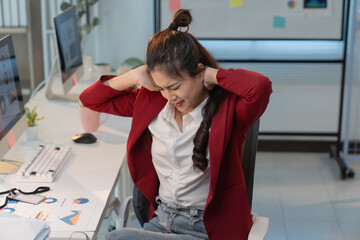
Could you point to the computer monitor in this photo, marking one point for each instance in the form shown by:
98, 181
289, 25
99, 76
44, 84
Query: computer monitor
68, 55
12, 113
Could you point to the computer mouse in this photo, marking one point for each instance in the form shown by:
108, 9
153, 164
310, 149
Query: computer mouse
84, 138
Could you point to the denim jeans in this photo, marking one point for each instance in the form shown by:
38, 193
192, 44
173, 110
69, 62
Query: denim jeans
171, 222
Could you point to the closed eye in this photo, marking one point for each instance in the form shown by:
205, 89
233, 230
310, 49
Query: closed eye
169, 87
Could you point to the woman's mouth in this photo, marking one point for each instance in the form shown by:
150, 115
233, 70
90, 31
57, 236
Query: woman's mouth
178, 104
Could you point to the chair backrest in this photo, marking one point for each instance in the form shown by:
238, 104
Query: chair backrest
141, 204
248, 158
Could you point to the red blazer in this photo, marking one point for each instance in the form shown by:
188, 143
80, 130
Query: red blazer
227, 214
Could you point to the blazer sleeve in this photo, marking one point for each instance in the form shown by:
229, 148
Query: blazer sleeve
252, 90
102, 98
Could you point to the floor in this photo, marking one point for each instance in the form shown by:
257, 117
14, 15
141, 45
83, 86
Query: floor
304, 197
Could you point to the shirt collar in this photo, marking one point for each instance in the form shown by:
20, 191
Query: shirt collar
168, 112
197, 112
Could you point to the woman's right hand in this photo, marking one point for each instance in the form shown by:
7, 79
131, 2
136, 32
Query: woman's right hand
143, 78
138, 76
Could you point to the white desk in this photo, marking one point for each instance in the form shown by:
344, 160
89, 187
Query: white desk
92, 168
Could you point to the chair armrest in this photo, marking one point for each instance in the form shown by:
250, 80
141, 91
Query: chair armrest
259, 228
122, 210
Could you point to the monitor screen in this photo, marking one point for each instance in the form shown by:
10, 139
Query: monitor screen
68, 47
11, 101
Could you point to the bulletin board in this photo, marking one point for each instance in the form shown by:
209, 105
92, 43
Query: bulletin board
259, 19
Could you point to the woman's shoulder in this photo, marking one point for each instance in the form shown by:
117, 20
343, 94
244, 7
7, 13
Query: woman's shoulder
146, 93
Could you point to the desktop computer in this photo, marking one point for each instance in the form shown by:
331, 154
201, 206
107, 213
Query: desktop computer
12, 113
45, 164
68, 66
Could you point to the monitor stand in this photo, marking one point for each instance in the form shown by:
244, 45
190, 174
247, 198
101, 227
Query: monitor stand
49, 87
9, 164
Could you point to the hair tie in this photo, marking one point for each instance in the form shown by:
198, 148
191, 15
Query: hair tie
173, 26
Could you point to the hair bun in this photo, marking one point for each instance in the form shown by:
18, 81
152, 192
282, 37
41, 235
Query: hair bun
173, 26
182, 18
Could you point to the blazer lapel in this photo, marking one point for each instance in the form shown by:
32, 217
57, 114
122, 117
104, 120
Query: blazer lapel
147, 108
218, 140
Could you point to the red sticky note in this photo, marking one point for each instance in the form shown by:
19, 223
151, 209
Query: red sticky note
11, 139
174, 5
74, 79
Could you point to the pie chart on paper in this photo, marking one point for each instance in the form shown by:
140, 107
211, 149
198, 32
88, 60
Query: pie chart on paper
8, 209
49, 200
81, 200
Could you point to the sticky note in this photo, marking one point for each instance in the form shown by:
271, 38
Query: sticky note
174, 5
11, 139
236, 3
279, 22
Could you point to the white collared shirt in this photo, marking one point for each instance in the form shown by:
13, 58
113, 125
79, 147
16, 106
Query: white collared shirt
172, 152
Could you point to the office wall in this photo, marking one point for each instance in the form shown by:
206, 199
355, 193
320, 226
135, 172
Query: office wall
305, 98
305, 101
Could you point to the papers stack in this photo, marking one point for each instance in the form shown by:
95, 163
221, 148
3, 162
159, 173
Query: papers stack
15, 227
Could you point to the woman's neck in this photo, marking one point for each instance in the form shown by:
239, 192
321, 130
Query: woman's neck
179, 119
201, 99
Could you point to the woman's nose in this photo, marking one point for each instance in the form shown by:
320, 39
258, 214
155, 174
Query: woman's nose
170, 96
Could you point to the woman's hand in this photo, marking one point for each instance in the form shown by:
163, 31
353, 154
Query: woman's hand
210, 80
143, 78
138, 76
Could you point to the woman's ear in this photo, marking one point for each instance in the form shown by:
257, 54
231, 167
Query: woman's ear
201, 71
200, 67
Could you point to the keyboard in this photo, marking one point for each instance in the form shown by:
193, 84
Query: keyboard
44, 164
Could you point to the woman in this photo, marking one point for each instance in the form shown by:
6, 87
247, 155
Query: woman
185, 144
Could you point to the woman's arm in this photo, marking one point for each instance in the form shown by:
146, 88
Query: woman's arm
253, 91
112, 94
138, 76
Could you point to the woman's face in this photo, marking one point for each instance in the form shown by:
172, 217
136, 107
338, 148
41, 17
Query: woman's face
185, 93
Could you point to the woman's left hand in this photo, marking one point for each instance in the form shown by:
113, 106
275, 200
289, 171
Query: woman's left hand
210, 80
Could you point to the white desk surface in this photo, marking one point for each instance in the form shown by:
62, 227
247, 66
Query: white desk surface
91, 168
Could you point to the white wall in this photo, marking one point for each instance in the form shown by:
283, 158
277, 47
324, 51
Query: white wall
124, 30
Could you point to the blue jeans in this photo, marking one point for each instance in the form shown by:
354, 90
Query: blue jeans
171, 222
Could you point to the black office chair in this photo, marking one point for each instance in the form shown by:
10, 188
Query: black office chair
258, 231
249, 157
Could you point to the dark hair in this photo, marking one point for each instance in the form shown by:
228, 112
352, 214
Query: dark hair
175, 52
